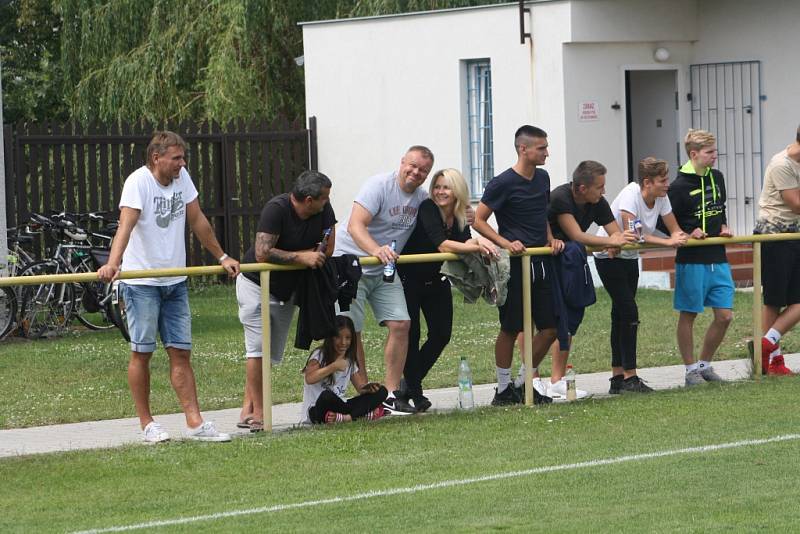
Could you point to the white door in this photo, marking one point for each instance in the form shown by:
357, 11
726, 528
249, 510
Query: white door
652, 117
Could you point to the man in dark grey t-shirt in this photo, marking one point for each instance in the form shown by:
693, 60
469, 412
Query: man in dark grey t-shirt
574, 207
290, 229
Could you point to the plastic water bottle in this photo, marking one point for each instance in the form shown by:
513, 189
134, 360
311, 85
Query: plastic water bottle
466, 401
388, 269
572, 393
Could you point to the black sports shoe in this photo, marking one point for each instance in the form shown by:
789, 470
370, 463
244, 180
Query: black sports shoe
635, 384
538, 398
421, 402
615, 388
510, 395
397, 406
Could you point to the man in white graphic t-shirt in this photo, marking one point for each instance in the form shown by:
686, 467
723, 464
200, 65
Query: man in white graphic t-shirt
157, 200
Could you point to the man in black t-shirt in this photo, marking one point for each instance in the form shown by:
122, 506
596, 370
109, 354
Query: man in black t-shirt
574, 207
518, 199
291, 230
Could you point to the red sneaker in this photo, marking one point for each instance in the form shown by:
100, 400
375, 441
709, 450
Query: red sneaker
377, 413
767, 348
778, 367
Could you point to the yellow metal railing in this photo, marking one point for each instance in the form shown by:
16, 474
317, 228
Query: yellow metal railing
266, 268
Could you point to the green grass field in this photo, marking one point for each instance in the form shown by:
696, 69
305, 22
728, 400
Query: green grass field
82, 376
452, 472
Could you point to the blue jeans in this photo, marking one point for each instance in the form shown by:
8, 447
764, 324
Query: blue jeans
158, 308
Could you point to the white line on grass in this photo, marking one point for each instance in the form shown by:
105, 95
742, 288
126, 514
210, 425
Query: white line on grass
443, 484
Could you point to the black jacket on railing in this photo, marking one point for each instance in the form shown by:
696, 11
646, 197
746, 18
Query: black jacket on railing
318, 290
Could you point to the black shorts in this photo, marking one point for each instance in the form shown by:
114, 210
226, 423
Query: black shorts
780, 272
541, 298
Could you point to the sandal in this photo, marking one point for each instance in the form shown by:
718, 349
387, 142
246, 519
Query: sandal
246, 422
256, 426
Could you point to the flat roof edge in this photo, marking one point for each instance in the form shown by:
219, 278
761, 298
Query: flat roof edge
418, 13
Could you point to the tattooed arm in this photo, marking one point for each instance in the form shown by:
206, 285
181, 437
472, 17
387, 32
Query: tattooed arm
267, 253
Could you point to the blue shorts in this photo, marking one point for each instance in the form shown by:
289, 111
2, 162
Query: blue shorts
162, 309
699, 285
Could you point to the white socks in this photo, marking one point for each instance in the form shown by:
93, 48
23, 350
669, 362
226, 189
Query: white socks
773, 336
691, 367
703, 364
520, 380
520, 375
503, 378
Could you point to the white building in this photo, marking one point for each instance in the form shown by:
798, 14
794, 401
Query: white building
610, 80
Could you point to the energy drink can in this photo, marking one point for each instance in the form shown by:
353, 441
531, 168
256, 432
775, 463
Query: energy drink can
638, 229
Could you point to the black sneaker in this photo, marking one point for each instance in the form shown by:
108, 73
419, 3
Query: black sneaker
538, 398
510, 395
397, 406
635, 384
616, 384
421, 402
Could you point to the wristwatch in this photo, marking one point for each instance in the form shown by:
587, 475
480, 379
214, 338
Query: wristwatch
223, 257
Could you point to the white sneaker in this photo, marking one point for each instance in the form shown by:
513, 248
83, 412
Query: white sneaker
153, 433
558, 391
207, 432
539, 385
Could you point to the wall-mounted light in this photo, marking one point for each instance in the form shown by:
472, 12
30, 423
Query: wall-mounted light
661, 54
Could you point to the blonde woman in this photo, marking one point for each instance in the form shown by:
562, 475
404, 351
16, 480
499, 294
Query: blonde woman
441, 227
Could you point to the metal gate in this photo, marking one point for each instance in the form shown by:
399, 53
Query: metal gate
726, 100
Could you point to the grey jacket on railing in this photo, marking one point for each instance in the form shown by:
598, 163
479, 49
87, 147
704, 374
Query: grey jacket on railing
474, 278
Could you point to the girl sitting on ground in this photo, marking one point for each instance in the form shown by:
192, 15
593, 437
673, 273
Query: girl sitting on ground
327, 372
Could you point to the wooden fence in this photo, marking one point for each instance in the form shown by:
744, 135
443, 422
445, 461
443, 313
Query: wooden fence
236, 168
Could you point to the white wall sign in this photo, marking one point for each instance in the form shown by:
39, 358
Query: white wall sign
587, 111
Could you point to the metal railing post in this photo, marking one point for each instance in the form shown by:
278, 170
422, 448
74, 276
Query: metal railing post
527, 329
266, 353
757, 327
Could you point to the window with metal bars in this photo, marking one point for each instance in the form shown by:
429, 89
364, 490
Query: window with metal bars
479, 121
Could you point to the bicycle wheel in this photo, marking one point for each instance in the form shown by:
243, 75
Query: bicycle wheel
46, 308
115, 309
8, 311
88, 297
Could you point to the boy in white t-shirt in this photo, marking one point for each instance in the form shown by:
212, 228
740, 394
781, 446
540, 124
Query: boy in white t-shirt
157, 200
646, 201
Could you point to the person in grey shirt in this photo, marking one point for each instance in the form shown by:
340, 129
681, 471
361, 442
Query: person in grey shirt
385, 210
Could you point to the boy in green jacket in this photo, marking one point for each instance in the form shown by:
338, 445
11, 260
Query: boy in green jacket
702, 274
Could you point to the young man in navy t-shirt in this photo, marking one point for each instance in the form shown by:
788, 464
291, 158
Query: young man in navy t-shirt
518, 198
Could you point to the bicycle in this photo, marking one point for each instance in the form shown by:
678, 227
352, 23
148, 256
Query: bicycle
96, 299
16, 260
91, 297
45, 308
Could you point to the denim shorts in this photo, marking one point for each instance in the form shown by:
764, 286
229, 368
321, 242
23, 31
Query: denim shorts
699, 285
162, 309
